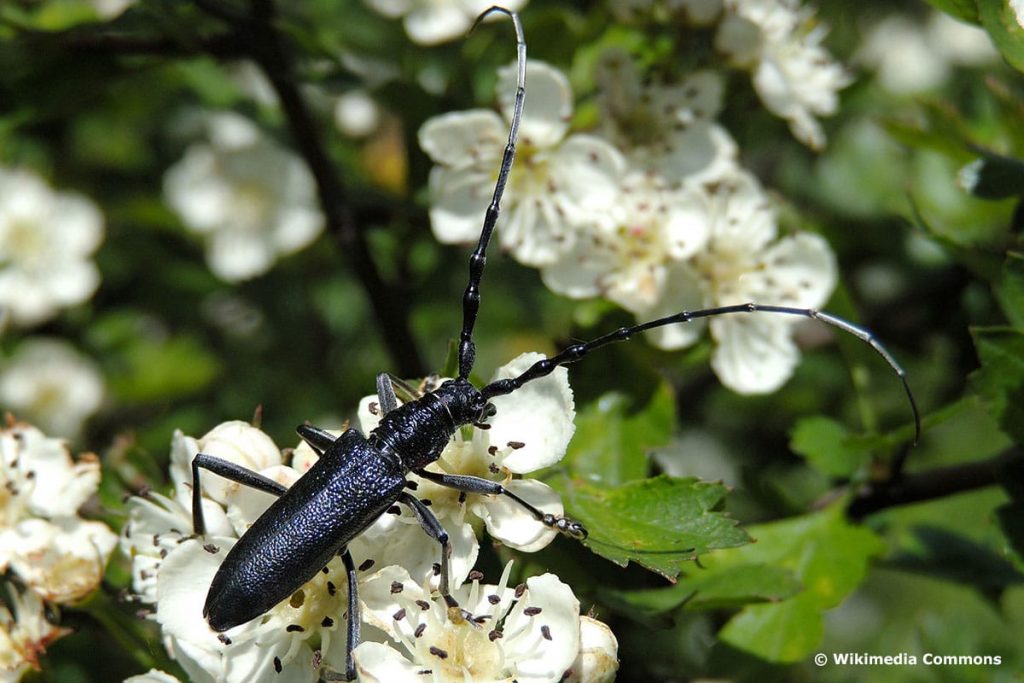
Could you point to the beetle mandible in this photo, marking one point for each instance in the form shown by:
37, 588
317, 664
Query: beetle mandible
358, 478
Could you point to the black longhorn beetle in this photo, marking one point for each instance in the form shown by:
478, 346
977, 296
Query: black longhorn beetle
358, 478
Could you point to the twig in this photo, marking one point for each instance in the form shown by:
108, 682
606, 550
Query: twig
265, 46
932, 484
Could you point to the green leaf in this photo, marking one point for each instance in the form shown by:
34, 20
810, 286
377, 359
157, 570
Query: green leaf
1011, 521
612, 441
1010, 289
734, 587
826, 445
998, 18
825, 553
965, 10
992, 176
1000, 380
660, 523
943, 554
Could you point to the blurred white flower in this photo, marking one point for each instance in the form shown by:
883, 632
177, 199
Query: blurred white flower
911, 56
745, 261
795, 77
42, 540
50, 384
253, 200
531, 430
356, 114
429, 22
1017, 6
669, 128
47, 239
25, 633
109, 9
558, 183
528, 633
627, 256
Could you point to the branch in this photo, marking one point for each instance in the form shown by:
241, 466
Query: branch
932, 484
266, 46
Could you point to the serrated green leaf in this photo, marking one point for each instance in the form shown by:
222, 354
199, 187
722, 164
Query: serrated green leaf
992, 176
1010, 289
965, 10
660, 523
1000, 380
999, 19
826, 445
827, 554
612, 440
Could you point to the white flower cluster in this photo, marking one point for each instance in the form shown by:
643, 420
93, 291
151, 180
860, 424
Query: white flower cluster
172, 570
251, 199
655, 213
44, 545
47, 240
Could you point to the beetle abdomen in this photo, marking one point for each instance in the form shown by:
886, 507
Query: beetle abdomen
349, 488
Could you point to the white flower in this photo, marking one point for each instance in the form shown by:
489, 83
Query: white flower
531, 633
598, 660
356, 114
794, 76
1017, 6
42, 540
52, 385
626, 258
152, 676
253, 200
25, 633
531, 430
557, 184
429, 22
910, 57
669, 128
744, 261
47, 239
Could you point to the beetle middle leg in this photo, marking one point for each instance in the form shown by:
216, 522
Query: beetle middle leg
436, 530
228, 470
471, 484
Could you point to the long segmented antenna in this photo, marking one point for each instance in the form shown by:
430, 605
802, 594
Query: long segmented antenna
471, 299
575, 352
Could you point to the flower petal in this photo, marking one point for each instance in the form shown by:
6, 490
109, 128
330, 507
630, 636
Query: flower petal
546, 112
539, 415
753, 355
512, 524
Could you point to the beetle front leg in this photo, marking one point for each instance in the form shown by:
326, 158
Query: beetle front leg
471, 484
228, 470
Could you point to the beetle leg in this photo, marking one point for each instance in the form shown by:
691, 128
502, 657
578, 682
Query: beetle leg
386, 394
435, 530
353, 614
470, 484
228, 470
318, 439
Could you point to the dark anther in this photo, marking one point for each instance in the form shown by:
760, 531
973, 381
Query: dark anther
438, 652
396, 587
294, 628
545, 631
366, 565
532, 611
419, 630
399, 615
